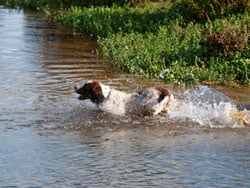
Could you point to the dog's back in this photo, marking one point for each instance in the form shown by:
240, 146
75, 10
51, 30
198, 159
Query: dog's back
151, 101
117, 102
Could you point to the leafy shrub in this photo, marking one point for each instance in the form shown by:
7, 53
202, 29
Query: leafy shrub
227, 42
208, 10
227, 37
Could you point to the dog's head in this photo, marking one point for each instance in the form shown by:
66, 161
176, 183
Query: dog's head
94, 91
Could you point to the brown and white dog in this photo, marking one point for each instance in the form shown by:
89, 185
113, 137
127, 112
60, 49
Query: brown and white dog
151, 101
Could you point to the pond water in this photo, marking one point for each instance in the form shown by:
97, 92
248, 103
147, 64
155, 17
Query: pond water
50, 139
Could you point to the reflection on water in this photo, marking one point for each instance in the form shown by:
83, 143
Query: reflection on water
50, 139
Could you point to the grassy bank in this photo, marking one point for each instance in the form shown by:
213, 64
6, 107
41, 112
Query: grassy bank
156, 41
182, 41
184, 54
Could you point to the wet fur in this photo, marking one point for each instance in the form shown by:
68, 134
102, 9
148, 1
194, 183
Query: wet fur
151, 101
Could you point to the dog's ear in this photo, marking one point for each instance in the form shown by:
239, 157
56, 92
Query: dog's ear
98, 94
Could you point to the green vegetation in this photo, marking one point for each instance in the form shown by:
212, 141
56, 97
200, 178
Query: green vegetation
46, 5
185, 41
103, 21
179, 55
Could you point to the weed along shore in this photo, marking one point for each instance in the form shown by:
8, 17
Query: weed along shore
182, 41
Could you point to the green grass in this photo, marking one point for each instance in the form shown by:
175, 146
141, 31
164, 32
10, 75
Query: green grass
103, 21
153, 42
151, 54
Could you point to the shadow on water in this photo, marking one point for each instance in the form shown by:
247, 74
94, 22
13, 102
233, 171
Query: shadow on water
49, 138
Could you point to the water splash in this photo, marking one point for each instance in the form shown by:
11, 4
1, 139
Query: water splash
206, 107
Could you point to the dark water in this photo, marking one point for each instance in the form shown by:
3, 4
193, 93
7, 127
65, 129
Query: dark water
50, 139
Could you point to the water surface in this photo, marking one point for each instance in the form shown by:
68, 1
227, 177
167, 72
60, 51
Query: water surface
50, 139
